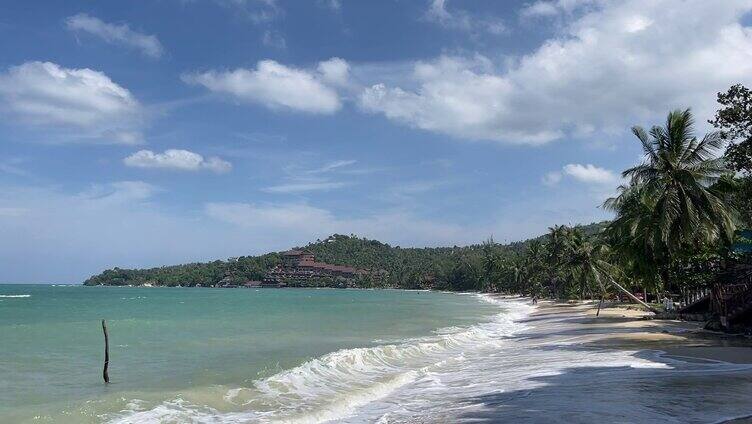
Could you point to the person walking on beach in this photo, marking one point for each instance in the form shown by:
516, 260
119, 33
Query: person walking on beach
535, 299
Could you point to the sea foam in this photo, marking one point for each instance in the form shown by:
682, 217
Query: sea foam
336, 385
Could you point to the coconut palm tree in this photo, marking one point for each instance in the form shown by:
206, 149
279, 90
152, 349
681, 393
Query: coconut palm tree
588, 265
669, 207
559, 241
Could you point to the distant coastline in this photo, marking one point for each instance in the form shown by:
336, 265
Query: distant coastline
338, 261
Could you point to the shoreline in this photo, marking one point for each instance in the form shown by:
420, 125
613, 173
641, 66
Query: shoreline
628, 329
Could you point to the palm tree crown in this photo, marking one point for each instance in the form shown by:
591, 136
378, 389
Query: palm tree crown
669, 205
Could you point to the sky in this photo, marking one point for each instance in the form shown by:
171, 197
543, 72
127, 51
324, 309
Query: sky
172, 131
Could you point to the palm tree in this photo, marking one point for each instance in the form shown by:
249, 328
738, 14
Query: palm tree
491, 263
588, 264
534, 267
559, 241
669, 207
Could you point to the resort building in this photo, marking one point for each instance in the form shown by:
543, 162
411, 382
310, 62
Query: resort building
299, 268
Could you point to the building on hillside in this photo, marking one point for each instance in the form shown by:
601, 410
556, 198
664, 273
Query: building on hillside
299, 268
292, 257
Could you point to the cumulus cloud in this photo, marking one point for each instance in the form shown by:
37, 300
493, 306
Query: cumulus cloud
335, 71
277, 86
115, 34
178, 159
611, 66
461, 20
75, 104
590, 173
456, 96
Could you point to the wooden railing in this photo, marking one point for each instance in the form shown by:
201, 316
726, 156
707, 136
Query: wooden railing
690, 297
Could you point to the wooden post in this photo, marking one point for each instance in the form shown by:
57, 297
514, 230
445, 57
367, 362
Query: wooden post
599, 306
106, 353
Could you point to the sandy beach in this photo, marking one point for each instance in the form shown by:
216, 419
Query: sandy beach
569, 366
620, 327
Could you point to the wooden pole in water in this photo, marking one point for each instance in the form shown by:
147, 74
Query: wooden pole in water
106, 353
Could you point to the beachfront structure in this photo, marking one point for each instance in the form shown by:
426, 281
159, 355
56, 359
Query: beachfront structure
728, 298
299, 268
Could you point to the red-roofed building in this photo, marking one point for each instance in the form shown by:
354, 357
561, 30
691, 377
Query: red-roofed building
299, 268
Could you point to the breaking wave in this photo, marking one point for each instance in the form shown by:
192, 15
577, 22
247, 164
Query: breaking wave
14, 295
335, 385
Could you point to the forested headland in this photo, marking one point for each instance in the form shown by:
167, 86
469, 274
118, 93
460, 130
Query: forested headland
443, 268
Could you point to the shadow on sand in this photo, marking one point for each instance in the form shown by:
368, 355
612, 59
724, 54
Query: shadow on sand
689, 394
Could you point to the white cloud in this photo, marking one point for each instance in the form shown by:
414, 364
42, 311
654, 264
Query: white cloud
610, 67
75, 104
548, 8
459, 97
273, 85
460, 20
305, 187
540, 8
335, 71
590, 173
183, 160
115, 34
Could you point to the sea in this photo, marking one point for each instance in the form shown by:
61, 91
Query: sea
198, 355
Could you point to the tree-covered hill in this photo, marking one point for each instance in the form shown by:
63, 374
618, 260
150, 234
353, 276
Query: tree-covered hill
451, 268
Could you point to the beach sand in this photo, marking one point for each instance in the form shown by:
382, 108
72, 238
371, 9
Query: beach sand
575, 325
632, 329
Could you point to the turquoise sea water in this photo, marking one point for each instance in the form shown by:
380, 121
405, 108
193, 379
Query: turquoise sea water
221, 356
219, 352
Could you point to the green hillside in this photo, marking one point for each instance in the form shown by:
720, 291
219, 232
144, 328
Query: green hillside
449, 268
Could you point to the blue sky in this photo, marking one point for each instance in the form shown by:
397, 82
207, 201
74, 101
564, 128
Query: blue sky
194, 130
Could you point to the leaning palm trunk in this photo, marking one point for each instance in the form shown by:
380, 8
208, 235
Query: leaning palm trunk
597, 274
633, 297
